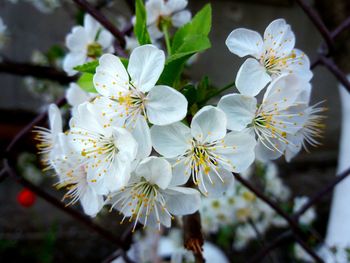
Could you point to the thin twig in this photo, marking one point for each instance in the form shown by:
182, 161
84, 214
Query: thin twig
258, 257
68, 210
316, 19
27, 129
337, 72
291, 221
339, 29
85, 6
42, 72
316, 198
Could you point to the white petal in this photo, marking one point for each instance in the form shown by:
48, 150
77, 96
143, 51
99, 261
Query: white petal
165, 105
77, 40
75, 95
55, 119
91, 202
91, 27
216, 187
111, 76
283, 91
209, 124
105, 39
126, 143
181, 171
153, 10
155, 170
264, 154
182, 200
300, 65
181, 18
73, 59
173, 6
279, 37
142, 135
171, 140
239, 150
243, 42
251, 77
239, 109
154, 32
145, 66
107, 111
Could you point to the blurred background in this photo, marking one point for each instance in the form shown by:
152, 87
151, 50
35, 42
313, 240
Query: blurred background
42, 233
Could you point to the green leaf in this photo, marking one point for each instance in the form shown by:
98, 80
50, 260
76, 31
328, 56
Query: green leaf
89, 67
140, 28
200, 25
86, 83
188, 40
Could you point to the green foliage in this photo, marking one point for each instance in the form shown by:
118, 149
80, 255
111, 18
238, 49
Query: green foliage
85, 82
54, 53
140, 28
89, 67
187, 41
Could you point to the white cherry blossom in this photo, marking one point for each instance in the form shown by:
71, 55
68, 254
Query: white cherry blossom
73, 176
205, 152
162, 11
309, 134
151, 199
271, 56
138, 99
280, 115
86, 43
106, 150
309, 216
48, 137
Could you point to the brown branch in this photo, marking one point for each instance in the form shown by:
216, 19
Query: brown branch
42, 72
337, 72
316, 19
58, 204
258, 257
85, 6
313, 200
193, 237
297, 232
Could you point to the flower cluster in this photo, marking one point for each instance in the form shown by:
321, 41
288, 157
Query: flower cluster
86, 43
239, 208
131, 142
283, 121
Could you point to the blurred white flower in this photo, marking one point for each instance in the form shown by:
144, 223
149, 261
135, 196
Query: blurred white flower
309, 216
151, 199
205, 152
138, 99
76, 96
48, 138
85, 43
274, 55
301, 254
161, 11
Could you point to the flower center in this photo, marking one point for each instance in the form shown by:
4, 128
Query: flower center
142, 199
94, 50
275, 64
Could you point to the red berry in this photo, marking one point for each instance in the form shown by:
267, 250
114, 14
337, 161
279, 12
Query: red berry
26, 198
